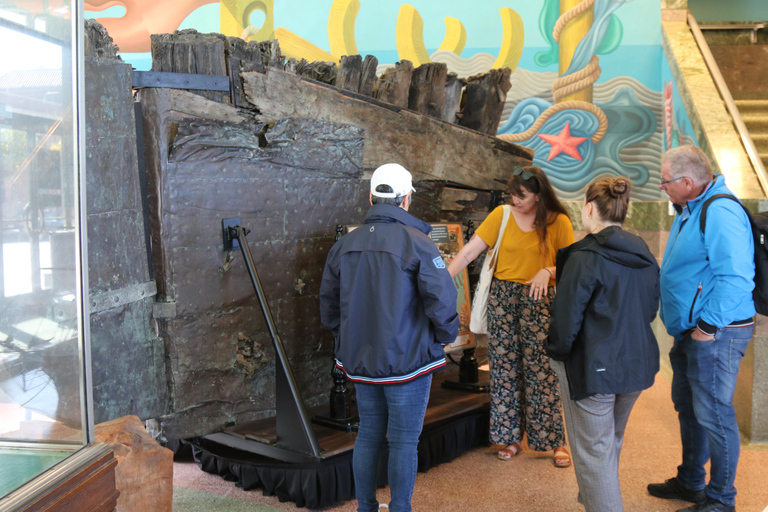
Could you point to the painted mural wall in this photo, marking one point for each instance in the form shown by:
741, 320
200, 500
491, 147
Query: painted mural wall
591, 91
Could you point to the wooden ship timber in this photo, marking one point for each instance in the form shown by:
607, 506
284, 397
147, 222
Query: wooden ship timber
228, 129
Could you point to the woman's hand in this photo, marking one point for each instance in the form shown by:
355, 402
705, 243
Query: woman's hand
539, 284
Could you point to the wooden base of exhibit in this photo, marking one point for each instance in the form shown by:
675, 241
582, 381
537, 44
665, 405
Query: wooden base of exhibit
144, 475
455, 422
88, 488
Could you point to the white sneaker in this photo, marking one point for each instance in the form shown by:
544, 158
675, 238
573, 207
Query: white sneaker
383, 506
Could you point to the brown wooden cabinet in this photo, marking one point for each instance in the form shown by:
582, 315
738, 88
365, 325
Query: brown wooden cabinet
85, 482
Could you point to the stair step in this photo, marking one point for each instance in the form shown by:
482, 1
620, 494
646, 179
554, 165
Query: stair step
755, 122
752, 106
761, 142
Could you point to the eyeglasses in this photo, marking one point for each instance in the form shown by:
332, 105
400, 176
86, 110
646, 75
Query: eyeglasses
670, 181
525, 175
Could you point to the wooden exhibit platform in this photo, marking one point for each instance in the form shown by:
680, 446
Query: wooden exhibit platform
455, 422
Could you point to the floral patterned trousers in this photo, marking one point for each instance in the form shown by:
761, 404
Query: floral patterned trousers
525, 396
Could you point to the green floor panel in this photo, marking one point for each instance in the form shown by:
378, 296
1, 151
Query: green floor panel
190, 500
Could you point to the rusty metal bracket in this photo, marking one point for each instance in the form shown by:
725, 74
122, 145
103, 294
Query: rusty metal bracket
116, 298
143, 79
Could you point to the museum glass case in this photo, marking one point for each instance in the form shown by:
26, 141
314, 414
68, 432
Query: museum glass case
45, 418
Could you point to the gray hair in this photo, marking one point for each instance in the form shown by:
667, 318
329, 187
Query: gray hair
394, 201
688, 161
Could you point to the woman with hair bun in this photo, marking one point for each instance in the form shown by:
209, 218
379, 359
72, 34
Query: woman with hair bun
600, 338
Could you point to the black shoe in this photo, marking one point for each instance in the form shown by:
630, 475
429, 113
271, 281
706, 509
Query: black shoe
709, 505
674, 490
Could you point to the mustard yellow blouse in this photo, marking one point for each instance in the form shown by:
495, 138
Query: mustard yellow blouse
519, 254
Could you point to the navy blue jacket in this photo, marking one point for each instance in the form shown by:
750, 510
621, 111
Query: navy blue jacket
607, 297
388, 299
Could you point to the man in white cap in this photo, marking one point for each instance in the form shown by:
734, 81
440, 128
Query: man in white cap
391, 305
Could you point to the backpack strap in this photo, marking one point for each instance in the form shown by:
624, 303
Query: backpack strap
705, 207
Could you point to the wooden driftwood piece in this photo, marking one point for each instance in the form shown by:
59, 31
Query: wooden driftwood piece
483, 100
453, 89
394, 84
242, 57
144, 474
321, 71
368, 75
430, 148
348, 72
427, 91
290, 65
188, 51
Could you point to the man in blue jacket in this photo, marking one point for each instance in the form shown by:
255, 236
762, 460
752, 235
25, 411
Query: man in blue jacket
706, 305
391, 305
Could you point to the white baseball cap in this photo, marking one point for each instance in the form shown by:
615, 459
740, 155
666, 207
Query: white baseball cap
394, 175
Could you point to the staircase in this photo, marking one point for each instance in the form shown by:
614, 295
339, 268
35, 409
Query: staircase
754, 113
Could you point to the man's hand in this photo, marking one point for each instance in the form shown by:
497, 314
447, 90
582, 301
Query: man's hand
700, 336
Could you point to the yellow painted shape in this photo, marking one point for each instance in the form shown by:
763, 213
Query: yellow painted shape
341, 27
455, 36
294, 46
235, 17
570, 37
512, 42
410, 36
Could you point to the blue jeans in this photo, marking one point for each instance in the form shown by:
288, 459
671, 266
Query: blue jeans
393, 412
703, 384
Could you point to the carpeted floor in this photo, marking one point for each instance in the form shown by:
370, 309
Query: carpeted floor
477, 481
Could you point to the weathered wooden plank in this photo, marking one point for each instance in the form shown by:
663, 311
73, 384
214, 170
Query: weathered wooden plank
368, 75
348, 72
454, 86
157, 122
98, 43
321, 71
242, 56
483, 100
187, 104
394, 84
430, 148
250, 54
188, 51
427, 91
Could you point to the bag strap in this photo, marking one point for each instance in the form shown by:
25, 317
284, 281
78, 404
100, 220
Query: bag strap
506, 211
705, 207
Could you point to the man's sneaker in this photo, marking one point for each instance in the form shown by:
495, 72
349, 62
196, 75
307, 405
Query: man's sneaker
674, 490
709, 505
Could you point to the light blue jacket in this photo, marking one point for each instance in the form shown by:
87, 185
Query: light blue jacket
709, 277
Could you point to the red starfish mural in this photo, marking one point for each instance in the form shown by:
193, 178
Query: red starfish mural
563, 143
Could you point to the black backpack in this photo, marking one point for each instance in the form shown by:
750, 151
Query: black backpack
759, 223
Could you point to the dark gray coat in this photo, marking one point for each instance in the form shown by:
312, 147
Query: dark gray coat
607, 297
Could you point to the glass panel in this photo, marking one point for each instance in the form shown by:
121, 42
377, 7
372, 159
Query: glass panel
41, 376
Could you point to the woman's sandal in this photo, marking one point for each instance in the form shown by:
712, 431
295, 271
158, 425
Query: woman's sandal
510, 451
562, 457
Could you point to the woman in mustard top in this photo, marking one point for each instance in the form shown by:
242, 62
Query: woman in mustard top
524, 390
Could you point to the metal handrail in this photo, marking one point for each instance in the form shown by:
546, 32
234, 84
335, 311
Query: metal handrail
754, 26
730, 105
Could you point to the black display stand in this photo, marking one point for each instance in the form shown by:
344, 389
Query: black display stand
470, 377
296, 441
